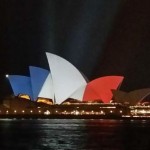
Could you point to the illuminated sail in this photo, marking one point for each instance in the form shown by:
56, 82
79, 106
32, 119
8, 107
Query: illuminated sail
66, 78
38, 77
78, 94
21, 85
101, 88
47, 90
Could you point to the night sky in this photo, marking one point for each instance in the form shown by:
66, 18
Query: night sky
99, 37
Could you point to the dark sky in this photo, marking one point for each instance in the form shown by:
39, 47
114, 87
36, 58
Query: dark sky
100, 37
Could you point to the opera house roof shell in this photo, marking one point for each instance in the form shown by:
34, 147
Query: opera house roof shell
63, 81
133, 97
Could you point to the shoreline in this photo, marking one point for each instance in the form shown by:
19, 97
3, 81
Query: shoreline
74, 117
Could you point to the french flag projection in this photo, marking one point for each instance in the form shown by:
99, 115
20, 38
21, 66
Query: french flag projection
38, 77
100, 89
21, 85
63, 81
66, 78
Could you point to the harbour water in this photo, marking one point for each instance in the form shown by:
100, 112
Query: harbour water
74, 134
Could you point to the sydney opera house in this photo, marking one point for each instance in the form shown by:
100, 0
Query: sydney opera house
64, 91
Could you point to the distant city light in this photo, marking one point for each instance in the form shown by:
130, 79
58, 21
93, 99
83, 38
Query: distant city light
7, 75
77, 112
47, 112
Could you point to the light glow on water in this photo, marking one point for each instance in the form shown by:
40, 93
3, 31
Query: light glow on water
73, 134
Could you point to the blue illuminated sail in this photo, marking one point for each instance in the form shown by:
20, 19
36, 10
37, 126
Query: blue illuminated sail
21, 85
38, 77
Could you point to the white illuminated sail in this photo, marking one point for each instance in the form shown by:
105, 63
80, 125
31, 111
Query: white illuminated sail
66, 78
47, 90
78, 94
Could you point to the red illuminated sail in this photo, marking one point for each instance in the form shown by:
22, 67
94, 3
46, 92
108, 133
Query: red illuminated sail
100, 88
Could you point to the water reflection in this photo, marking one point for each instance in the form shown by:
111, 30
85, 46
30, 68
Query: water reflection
75, 134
